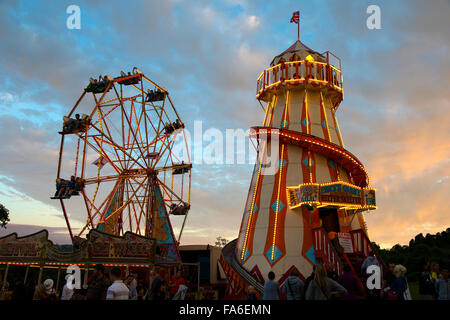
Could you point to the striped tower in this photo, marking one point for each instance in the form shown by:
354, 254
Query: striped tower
319, 186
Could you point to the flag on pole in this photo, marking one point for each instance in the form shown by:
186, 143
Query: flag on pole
101, 161
295, 17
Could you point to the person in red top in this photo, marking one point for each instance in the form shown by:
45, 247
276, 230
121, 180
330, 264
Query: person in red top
176, 282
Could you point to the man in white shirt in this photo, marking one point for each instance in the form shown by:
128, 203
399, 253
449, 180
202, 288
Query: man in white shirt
118, 290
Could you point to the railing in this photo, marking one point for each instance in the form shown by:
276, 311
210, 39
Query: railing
362, 245
229, 257
295, 72
325, 250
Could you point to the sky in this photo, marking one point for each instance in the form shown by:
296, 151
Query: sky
395, 116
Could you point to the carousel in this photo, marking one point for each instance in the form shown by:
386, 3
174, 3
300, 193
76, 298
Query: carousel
312, 207
120, 183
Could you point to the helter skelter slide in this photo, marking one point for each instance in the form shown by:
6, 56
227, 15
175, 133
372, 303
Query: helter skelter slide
117, 169
312, 207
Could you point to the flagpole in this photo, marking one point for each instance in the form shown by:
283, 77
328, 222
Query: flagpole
298, 30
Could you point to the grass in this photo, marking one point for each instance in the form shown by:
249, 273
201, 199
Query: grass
414, 289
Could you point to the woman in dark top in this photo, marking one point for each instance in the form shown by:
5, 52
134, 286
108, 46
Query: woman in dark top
349, 282
398, 286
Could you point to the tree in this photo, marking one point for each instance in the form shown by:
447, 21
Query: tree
4, 216
221, 242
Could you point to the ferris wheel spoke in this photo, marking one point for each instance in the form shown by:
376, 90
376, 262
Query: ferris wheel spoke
103, 219
107, 113
138, 123
140, 203
102, 152
128, 208
97, 212
168, 147
126, 154
138, 131
97, 102
167, 189
142, 210
135, 140
87, 208
101, 179
113, 144
126, 118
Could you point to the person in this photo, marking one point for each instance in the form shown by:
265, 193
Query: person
77, 122
333, 275
134, 282
29, 289
157, 287
426, 283
310, 278
78, 295
39, 293
293, 287
388, 279
181, 293
322, 287
117, 290
98, 284
435, 271
72, 185
333, 236
350, 283
131, 288
371, 260
399, 285
251, 295
175, 283
44, 291
141, 290
19, 291
62, 189
66, 292
443, 285
271, 288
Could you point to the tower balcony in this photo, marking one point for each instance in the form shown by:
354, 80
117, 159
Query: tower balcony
304, 73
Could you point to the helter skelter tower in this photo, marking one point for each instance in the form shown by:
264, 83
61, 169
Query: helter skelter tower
319, 187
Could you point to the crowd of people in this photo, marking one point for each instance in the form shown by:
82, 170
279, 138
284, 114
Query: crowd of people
111, 286
325, 285
433, 282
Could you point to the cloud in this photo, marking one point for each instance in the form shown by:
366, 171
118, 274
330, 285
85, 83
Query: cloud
394, 116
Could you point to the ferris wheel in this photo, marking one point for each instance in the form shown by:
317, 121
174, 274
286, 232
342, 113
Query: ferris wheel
118, 169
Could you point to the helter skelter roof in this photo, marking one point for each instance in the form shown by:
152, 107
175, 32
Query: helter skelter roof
301, 50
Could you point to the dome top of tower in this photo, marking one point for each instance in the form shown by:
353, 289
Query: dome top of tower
298, 51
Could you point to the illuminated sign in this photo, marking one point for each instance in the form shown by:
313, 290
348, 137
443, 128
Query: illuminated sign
339, 194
